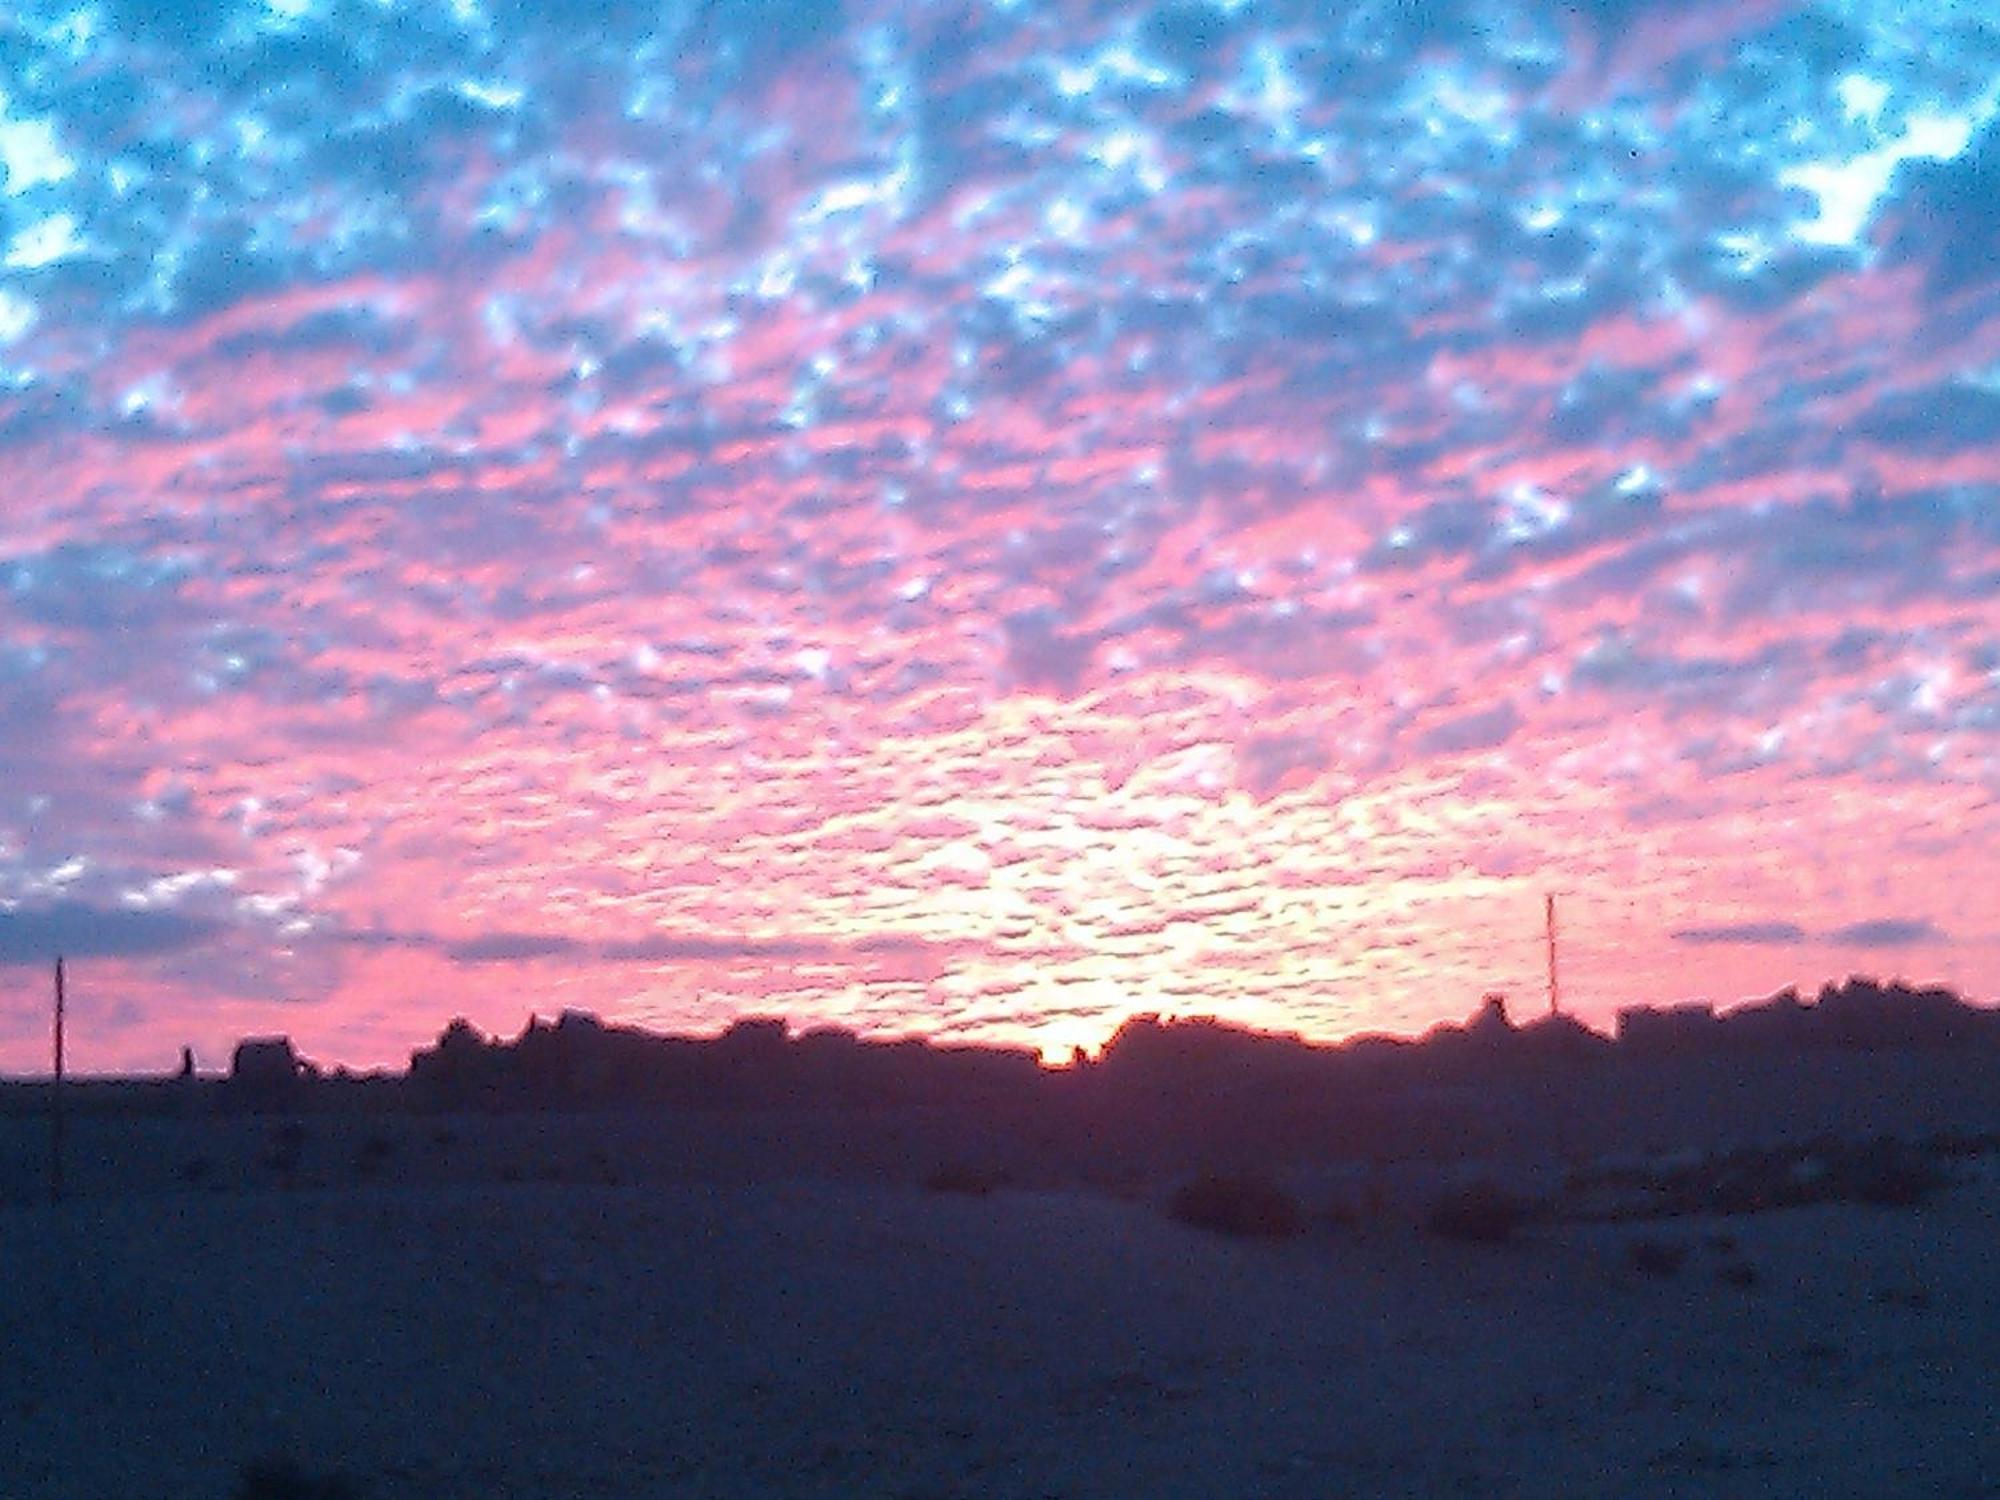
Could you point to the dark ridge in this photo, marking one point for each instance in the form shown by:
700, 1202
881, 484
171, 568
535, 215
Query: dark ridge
580, 1062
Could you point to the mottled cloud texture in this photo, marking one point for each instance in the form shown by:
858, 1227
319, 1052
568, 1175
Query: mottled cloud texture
983, 517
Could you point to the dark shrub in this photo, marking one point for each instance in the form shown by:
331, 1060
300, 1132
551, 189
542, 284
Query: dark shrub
960, 1177
1888, 1176
373, 1154
1482, 1212
283, 1479
1244, 1204
1341, 1213
1662, 1258
1914, 1298
287, 1141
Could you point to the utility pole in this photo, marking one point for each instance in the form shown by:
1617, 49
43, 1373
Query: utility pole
56, 1099
1555, 991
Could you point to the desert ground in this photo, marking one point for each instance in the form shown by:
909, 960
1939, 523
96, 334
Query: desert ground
632, 1305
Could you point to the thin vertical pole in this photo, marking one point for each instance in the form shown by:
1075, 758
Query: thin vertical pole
56, 1099
1555, 991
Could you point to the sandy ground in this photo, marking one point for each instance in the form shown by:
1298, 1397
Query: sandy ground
431, 1333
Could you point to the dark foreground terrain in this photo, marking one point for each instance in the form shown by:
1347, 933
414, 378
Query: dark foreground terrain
1751, 1275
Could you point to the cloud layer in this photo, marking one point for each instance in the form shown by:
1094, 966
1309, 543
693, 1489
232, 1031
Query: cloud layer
984, 517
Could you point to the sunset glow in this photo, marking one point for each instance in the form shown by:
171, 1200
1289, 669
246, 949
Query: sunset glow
984, 518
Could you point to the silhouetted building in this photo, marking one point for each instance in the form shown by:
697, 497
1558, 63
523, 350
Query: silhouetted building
1867, 1013
1559, 1038
266, 1072
1861, 1012
1782, 1020
1489, 1023
1689, 1027
462, 1067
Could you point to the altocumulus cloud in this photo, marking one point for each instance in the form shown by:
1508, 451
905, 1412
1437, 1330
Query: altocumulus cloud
1057, 476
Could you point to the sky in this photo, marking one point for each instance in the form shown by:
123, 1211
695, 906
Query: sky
985, 518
